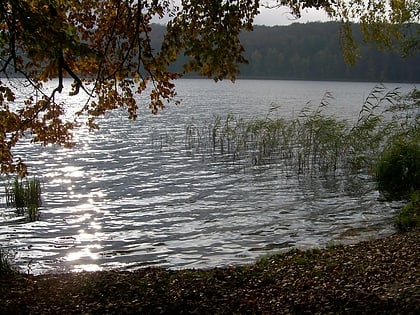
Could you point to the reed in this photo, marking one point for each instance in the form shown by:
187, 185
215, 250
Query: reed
25, 196
15, 195
398, 167
312, 143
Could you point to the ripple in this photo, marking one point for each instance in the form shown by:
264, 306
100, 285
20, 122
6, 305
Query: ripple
130, 196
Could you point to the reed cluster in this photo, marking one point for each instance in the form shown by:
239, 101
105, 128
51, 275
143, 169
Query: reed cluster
25, 196
313, 142
383, 143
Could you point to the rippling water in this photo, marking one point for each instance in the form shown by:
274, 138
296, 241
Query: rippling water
130, 195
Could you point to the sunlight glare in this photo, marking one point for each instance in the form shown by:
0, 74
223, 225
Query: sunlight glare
72, 171
87, 267
85, 252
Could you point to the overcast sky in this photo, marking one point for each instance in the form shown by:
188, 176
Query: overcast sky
282, 16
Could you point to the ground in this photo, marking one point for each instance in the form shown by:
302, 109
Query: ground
375, 277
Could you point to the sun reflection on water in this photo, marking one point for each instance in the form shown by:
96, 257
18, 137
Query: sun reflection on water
81, 259
86, 267
85, 254
73, 171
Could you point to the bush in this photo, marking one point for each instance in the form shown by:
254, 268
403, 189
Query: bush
398, 170
409, 216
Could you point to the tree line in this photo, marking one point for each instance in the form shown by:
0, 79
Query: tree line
313, 51
310, 51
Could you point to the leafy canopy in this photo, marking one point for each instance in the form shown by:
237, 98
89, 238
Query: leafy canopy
105, 47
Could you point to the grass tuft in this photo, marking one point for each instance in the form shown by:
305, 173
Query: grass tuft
25, 196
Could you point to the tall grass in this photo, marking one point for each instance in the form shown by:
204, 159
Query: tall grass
314, 142
25, 196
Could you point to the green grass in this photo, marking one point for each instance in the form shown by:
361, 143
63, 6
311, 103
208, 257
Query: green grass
25, 196
409, 216
317, 144
311, 143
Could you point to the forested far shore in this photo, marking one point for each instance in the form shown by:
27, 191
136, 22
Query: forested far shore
312, 51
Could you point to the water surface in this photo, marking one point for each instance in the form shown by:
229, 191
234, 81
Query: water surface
130, 195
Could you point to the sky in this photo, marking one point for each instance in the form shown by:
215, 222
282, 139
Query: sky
282, 16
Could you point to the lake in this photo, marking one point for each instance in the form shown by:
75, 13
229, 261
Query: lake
130, 195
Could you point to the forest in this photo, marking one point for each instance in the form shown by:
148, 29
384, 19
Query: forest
312, 51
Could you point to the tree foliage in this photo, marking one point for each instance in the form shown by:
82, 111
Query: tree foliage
386, 23
302, 51
104, 46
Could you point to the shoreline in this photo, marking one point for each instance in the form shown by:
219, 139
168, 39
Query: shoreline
375, 276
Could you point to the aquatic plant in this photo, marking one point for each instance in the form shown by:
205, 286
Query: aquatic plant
398, 168
25, 195
15, 195
320, 139
310, 144
406, 114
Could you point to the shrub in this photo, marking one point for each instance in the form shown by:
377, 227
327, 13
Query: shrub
398, 170
409, 216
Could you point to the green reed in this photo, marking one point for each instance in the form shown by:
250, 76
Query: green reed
25, 196
311, 143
